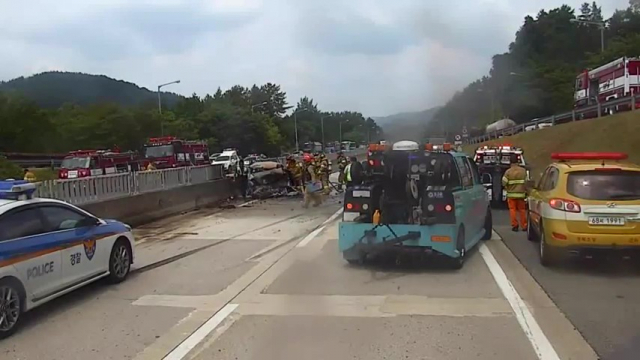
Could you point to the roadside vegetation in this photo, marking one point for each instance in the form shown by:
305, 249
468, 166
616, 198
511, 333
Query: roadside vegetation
249, 119
535, 78
616, 133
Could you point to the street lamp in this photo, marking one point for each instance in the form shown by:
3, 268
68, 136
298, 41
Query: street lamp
347, 120
295, 125
600, 24
160, 104
262, 103
322, 128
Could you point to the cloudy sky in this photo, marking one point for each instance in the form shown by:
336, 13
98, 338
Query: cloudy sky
375, 56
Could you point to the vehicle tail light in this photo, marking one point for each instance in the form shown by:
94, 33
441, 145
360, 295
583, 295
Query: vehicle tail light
440, 207
607, 169
565, 205
353, 206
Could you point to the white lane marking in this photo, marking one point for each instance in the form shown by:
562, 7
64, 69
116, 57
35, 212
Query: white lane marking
194, 339
541, 344
333, 217
310, 237
248, 203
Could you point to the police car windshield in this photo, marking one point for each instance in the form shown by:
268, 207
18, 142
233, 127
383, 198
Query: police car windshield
76, 163
158, 151
222, 158
604, 185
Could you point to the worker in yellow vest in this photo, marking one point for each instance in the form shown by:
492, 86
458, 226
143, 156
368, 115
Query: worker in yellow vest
514, 182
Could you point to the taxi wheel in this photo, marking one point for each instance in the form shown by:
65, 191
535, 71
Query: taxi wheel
548, 256
531, 235
119, 261
488, 225
458, 262
11, 300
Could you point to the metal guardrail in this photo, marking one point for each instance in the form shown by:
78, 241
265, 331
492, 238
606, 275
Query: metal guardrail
101, 188
594, 111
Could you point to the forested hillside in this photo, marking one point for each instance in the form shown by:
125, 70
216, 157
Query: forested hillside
52, 89
536, 76
250, 119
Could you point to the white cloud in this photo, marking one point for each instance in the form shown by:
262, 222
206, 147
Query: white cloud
375, 56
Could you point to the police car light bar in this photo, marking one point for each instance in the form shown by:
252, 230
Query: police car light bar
16, 190
589, 156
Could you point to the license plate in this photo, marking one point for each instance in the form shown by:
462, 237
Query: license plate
606, 220
361, 193
489, 159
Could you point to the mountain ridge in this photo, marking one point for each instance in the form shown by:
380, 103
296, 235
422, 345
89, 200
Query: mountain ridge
52, 89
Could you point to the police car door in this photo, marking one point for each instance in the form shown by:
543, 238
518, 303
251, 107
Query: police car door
34, 254
77, 231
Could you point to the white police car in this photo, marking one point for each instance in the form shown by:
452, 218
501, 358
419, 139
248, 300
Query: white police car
49, 248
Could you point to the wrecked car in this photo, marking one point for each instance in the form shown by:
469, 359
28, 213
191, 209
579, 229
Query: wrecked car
268, 179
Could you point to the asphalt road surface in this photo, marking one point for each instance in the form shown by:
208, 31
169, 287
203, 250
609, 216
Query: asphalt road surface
265, 281
600, 297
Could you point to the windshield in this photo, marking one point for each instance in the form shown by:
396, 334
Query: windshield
76, 163
158, 151
604, 185
222, 158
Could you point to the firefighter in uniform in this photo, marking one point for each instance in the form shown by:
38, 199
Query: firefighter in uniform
294, 169
312, 184
342, 164
29, 176
514, 181
324, 173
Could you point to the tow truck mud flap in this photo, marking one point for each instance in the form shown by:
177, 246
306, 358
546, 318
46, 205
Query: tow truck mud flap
357, 239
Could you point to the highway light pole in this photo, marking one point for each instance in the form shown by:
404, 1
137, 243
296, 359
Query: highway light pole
600, 24
295, 125
256, 105
322, 128
160, 104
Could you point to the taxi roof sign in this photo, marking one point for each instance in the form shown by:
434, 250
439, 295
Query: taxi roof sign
589, 156
16, 189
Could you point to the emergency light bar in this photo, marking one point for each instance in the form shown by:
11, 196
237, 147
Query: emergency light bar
16, 190
377, 147
589, 156
443, 147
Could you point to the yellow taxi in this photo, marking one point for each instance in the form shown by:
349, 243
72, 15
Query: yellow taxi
585, 203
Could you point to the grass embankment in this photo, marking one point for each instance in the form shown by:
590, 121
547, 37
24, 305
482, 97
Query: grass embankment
617, 133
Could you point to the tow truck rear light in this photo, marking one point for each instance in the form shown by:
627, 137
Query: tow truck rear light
565, 205
377, 147
590, 156
353, 206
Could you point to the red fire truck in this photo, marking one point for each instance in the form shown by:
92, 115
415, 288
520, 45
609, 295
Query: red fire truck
84, 163
617, 79
168, 152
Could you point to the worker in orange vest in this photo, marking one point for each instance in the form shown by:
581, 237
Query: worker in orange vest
514, 182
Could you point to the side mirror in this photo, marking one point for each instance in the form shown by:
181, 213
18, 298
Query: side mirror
88, 222
530, 184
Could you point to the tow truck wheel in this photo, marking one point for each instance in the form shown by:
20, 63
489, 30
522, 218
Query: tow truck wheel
458, 262
11, 305
488, 225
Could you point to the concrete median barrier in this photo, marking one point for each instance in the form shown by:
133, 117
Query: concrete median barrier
139, 209
146, 207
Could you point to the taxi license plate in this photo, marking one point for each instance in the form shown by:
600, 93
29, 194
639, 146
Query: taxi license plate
606, 220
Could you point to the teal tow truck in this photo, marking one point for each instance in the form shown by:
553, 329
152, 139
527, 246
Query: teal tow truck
422, 199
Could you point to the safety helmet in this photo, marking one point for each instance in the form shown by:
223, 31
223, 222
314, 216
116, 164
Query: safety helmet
307, 158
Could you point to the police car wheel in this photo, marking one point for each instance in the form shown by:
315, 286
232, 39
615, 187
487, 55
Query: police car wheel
119, 261
11, 299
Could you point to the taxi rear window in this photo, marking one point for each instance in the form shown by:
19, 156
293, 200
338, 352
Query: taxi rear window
604, 185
